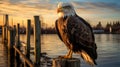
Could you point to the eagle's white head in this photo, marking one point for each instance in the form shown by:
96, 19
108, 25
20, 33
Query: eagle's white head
65, 9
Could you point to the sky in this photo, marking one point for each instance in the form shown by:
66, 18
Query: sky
92, 11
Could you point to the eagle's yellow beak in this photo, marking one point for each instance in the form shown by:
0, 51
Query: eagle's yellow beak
59, 10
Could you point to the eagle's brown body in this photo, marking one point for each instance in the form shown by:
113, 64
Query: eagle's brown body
77, 35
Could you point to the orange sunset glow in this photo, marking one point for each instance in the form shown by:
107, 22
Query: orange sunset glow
92, 11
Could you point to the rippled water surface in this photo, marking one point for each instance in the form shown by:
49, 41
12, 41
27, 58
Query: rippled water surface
108, 48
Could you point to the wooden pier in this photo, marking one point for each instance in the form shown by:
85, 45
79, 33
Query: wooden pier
11, 39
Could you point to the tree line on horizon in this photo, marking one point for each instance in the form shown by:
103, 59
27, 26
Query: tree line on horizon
113, 27
110, 27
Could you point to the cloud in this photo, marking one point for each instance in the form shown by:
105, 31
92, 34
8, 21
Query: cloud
97, 7
23, 9
98, 11
26, 8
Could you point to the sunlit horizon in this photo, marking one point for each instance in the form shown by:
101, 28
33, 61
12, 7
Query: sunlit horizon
91, 10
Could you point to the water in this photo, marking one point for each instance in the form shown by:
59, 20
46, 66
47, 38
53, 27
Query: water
108, 48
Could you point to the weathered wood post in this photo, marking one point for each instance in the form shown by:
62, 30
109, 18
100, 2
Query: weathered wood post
5, 32
28, 40
10, 48
7, 24
14, 33
61, 62
14, 41
18, 46
37, 40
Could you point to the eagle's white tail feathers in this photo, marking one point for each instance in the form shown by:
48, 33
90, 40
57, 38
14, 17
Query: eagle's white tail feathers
87, 58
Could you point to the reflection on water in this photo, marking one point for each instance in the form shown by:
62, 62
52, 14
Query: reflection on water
108, 48
53, 46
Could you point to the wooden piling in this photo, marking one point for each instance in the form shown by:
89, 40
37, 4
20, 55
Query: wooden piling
9, 44
18, 46
37, 40
14, 33
27, 50
18, 36
10, 48
5, 32
28, 39
61, 62
6, 29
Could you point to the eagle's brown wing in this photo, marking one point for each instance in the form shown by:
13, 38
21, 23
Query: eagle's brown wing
56, 27
81, 36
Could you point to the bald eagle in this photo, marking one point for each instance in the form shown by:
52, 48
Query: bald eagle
76, 33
